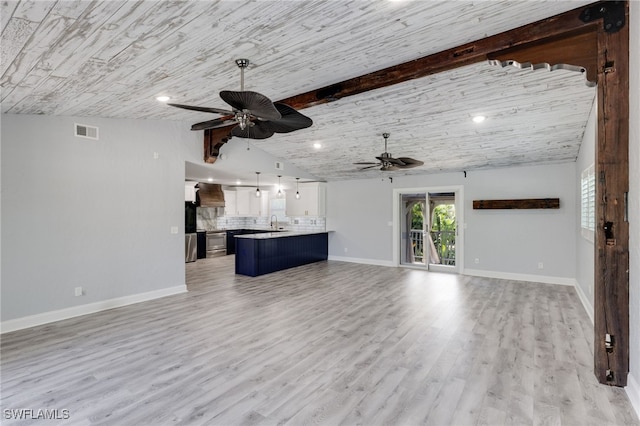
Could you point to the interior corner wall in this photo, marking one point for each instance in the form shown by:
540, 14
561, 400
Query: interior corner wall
95, 214
633, 388
585, 249
505, 242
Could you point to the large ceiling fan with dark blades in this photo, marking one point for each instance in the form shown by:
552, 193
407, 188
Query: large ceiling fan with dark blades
388, 163
255, 116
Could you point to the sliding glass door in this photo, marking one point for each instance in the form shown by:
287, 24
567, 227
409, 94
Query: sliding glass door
427, 228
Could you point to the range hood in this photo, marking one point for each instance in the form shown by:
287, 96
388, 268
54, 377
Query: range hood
211, 195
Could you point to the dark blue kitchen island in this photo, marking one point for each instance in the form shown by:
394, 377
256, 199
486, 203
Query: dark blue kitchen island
259, 254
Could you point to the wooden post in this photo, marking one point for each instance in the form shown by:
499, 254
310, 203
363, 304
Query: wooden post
611, 287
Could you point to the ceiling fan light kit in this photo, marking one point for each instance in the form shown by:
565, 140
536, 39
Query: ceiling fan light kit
254, 115
389, 163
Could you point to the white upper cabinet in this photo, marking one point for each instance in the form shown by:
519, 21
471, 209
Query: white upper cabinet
230, 203
258, 206
312, 202
243, 202
190, 192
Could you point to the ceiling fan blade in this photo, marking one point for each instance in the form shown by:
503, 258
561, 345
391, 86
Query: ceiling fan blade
255, 103
203, 109
212, 124
389, 168
369, 167
410, 162
258, 131
291, 120
391, 160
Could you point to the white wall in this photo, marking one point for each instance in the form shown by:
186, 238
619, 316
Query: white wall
585, 249
93, 214
504, 241
634, 208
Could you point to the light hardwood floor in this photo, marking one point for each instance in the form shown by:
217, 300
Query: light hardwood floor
328, 343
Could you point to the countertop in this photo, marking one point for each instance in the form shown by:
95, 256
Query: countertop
281, 234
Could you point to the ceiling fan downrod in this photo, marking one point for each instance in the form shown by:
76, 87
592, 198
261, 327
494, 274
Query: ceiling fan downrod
385, 155
242, 64
243, 117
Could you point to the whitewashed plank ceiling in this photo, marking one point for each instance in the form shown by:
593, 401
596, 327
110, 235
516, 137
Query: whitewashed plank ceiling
112, 58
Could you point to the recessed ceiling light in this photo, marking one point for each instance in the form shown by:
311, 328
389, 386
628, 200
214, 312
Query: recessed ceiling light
317, 145
163, 98
209, 179
479, 118
238, 182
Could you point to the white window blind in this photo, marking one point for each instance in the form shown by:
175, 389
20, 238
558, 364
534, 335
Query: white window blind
588, 203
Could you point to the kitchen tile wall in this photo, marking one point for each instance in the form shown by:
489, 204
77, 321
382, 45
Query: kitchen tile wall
295, 224
208, 219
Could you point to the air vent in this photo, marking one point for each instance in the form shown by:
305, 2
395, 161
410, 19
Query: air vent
279, 165
84, 131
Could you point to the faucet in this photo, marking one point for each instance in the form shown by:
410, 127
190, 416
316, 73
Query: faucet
272, 216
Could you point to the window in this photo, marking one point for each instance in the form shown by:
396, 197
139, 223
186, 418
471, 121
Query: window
588, 203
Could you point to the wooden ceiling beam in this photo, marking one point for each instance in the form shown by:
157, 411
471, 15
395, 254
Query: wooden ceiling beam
575, 52
611, 277
540, 34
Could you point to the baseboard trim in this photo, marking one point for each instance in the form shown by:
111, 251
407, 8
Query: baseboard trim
633, 392
521, 277
362, 261
90, 308
585, 302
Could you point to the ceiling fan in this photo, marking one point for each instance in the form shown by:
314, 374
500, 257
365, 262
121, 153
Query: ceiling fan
255, 115
388, 163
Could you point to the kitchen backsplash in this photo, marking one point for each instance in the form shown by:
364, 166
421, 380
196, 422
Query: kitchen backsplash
208, 219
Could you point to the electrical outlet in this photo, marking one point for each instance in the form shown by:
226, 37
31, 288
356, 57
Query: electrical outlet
346, 249
174, 229
156, 155
476, 261
540, 265
79, 291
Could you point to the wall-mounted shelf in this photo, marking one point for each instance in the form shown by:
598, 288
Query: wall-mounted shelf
528, 203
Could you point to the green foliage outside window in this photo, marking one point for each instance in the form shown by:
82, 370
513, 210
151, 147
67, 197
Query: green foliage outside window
444, 217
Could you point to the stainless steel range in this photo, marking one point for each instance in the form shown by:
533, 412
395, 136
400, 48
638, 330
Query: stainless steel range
216, 243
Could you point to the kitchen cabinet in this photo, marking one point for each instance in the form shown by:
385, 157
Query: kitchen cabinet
230, 205
190, 192
243, 202
201, 239
312, 202
231, 237
269, 252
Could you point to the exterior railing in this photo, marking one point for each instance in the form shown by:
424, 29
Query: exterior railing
417, 242
444, 241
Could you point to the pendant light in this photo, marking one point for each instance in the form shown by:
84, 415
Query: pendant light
279, 194
297, 192
258, 184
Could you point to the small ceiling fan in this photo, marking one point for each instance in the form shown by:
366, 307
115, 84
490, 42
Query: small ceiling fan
255, 115
388, 163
